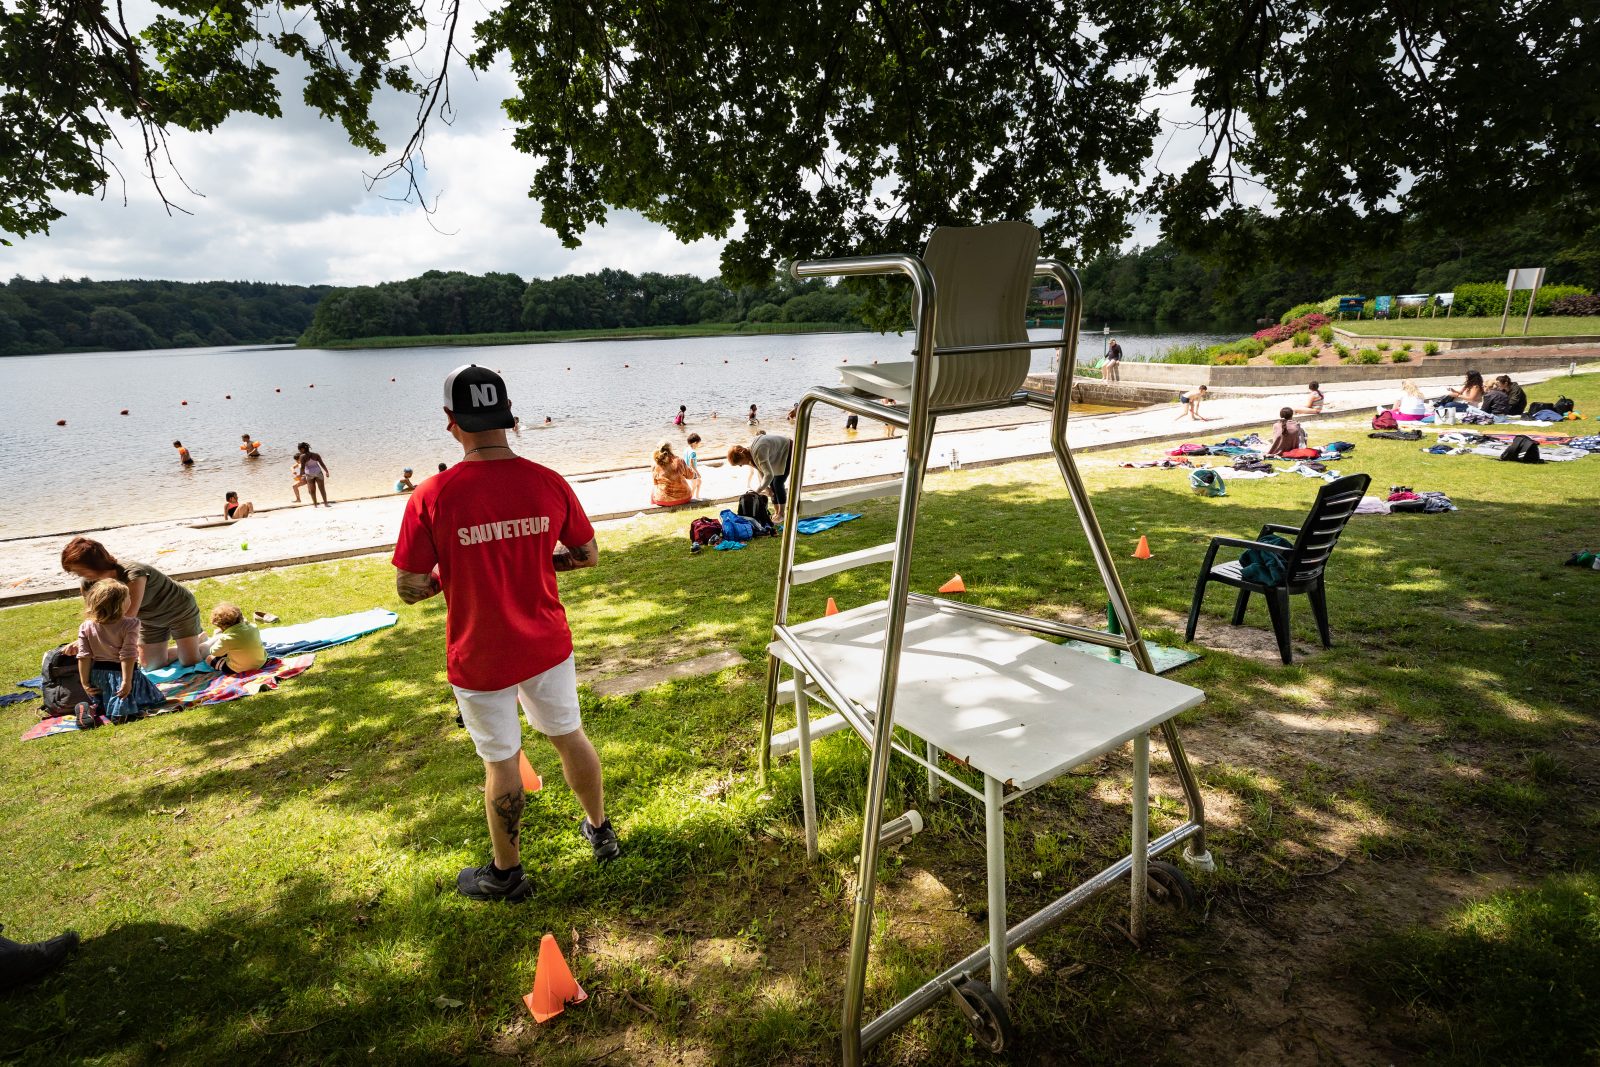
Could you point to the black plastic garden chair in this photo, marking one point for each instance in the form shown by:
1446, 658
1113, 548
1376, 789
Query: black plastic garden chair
1304, 563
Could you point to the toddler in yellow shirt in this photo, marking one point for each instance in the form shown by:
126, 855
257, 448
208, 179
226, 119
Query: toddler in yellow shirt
236, 646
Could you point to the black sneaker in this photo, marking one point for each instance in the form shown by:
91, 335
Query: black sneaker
22, 963
603, 839
490, 883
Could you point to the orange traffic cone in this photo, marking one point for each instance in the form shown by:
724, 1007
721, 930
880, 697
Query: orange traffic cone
553, 985
954, 585
833, 609
1143, 551
530, 777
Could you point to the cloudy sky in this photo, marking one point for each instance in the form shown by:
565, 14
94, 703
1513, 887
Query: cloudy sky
285, 201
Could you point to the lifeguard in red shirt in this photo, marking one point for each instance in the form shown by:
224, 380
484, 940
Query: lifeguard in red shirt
491, 532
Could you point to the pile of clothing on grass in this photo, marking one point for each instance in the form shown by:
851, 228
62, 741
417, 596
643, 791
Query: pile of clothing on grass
1523, 448
1403, 498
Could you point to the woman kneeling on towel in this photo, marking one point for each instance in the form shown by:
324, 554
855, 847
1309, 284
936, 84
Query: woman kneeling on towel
167, 612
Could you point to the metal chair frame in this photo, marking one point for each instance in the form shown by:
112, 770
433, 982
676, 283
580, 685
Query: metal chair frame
877, 729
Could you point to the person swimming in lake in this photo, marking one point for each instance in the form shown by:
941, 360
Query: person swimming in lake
183, 454
233, 510
682, 416
251, 449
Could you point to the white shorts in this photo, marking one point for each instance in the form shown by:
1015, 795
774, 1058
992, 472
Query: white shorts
550, 701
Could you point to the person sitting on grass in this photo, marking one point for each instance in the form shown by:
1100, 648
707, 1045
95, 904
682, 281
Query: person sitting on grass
236, 646
1287, 434
1314, 402
1518, 399
108, 647
1470, 395
1191, 404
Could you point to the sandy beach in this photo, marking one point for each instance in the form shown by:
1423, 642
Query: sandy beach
201, 547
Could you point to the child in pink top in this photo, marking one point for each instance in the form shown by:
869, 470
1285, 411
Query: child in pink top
108, 652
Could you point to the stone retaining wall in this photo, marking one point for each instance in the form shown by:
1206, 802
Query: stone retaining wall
1460, 344
1178, 375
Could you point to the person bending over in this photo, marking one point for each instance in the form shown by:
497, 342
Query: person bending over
167, 612
769, 454
491, 533
1191, 404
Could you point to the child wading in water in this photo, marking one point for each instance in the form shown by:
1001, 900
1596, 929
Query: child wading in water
183, 454
108, 646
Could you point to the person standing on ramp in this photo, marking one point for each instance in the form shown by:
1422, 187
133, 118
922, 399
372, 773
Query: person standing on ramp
491, 533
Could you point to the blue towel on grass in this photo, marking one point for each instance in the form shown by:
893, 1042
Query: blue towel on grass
824, 522
173, 671
7, 699
286, 641
726, 545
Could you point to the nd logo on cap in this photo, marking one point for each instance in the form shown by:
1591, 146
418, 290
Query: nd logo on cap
476, 398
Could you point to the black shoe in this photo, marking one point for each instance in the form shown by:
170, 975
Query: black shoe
603, 839
20, 964
490, 883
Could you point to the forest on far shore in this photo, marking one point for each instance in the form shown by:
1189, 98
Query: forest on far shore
1160, 285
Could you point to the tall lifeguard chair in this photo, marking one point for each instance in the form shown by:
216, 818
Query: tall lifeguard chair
988, 690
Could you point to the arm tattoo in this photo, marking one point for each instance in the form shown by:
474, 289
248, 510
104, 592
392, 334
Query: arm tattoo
571, 559
508, 809
413, 587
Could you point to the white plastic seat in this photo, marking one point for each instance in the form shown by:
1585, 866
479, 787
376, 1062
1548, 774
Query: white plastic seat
981, 276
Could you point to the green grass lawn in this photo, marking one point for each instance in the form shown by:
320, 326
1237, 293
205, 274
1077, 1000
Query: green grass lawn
620, 333
1539, 326
1404, 823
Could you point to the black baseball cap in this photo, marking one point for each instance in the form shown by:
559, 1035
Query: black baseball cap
476, 396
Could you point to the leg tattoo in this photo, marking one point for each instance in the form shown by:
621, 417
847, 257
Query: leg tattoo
508, 808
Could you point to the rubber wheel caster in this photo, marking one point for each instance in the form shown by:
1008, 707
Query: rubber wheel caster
985, 1015
1170, 886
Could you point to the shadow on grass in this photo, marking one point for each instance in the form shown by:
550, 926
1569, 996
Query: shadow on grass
1415, 724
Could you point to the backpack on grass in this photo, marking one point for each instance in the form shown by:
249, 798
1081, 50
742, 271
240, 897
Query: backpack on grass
1522, 449
737, 527
704, 531
753, 506
1384, 420
62, 689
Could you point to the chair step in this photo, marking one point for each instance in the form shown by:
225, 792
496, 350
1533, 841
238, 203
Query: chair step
789, 740
822, 503
803, 573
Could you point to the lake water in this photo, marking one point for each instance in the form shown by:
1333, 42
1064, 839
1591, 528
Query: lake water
372, 412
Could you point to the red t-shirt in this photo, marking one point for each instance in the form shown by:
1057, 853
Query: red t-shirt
491, 527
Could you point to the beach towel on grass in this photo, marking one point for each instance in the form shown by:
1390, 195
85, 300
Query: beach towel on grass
318, 634
824, 522
196, 688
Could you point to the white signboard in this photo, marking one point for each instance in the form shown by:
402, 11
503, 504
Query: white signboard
1522, 278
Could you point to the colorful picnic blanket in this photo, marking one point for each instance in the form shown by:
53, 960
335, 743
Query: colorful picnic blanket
196, 688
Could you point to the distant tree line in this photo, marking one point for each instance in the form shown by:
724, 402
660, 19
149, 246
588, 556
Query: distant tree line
451, 302
1161, 284
44, 316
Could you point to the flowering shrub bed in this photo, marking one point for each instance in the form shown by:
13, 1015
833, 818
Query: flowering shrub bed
1284, 330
